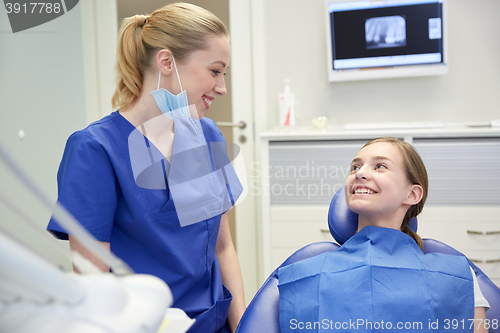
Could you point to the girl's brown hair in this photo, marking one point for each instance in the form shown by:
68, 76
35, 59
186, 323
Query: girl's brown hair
178, 27
416, 175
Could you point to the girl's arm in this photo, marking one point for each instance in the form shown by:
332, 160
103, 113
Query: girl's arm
230, 272
479, 325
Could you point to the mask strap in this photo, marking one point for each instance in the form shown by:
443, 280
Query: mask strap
178, 77
159, 77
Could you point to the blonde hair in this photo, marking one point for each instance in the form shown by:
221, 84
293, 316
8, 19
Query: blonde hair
416, 175
179, 27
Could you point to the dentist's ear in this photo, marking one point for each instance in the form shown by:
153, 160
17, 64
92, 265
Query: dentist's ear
164, 61
415, 195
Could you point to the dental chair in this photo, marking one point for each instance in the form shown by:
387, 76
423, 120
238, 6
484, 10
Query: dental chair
262, 314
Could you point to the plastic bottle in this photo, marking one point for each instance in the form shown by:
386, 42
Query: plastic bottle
287, 106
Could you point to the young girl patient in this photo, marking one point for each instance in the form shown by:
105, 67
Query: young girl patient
380, 279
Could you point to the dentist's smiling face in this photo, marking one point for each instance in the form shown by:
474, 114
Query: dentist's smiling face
202, 73
377, 186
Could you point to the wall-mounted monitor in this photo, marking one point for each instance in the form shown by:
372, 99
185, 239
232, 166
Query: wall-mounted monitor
385, 39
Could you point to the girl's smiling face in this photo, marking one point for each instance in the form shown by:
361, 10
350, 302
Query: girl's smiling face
378, 188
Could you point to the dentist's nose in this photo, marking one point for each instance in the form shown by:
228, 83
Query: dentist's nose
220, 87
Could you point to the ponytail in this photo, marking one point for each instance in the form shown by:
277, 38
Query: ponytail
129, 68
405, 227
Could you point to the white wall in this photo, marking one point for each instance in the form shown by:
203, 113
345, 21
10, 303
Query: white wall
295, 47
54, 80
42, 93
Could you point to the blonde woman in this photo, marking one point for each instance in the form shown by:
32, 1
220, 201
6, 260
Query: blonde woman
170, 67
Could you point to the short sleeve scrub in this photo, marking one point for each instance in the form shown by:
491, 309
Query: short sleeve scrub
96, 184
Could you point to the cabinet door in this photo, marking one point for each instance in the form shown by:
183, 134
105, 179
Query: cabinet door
309, 172
463, 206
462, 171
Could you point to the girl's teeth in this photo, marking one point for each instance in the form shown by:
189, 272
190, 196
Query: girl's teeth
363, 191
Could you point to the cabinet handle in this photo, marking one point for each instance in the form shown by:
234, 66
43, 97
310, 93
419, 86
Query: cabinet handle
484, 261
326, 231
484, 233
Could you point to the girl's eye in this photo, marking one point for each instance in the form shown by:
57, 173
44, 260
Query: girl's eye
381, 166
354, 167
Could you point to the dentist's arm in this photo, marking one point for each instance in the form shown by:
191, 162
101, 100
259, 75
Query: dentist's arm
230, 272
75, 245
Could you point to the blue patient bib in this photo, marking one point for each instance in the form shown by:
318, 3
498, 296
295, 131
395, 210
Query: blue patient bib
378, 281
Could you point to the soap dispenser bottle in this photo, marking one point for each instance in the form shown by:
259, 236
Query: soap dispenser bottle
287, 106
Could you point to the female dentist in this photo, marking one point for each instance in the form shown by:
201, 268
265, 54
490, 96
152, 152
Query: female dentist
149, 181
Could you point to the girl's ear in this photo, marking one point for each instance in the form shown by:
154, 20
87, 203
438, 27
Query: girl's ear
164, 61
415, 195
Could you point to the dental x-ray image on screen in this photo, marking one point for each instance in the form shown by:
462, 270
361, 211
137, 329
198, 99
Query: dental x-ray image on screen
384, 32
385, 39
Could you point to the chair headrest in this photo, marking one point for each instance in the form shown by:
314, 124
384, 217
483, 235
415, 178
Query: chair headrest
343, 222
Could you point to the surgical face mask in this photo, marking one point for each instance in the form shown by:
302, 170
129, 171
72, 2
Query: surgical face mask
172, 106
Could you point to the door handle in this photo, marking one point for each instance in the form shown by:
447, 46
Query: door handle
241, 124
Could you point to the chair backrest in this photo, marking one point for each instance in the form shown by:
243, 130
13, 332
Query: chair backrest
262, 314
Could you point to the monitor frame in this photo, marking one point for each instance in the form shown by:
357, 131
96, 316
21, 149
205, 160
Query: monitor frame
385, 72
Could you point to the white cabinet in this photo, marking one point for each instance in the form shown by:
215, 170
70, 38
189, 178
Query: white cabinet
302, 170
472, 229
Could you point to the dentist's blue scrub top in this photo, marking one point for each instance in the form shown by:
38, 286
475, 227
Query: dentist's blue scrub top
96, 184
